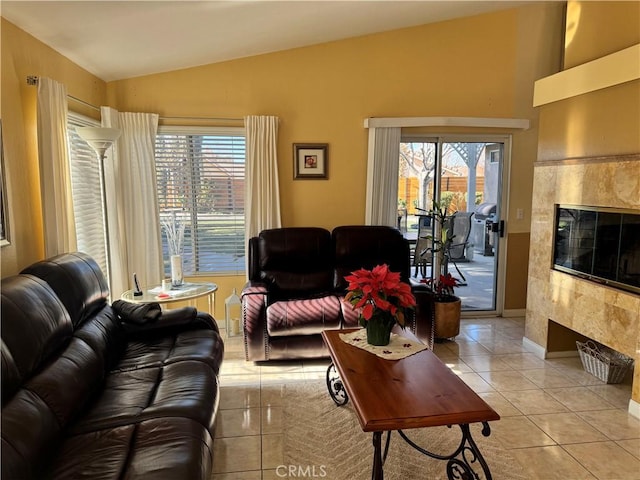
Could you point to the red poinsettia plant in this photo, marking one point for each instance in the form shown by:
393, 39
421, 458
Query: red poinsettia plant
379, 290
443, 287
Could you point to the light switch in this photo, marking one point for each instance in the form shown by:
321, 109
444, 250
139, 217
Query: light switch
519, 214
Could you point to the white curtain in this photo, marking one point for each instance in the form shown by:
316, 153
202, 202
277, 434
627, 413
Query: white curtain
382, 176
132, 203
55, 175
262, 193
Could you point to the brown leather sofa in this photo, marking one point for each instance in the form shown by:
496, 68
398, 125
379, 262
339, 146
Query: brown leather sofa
88, 395
296, 285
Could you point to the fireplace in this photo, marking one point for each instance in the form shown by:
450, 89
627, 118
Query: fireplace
599, 244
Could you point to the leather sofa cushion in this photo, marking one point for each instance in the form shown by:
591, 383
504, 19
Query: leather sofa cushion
29, 430
303, 317
365, 246
77, 280
291, 285
173, 390
296, 262
295, 249
10, 375
164, 450
34, 323
155, 351
67, 383
105, 336
101, 454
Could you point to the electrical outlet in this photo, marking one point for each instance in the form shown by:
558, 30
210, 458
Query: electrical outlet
519, 214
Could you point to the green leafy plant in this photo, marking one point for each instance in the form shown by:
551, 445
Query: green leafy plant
442, 284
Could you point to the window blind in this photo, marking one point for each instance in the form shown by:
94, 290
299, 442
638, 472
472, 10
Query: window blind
200, 182
85, 186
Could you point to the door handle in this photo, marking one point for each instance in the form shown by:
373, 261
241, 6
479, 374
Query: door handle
498, 227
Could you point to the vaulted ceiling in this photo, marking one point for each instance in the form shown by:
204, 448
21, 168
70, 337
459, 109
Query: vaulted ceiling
123, 39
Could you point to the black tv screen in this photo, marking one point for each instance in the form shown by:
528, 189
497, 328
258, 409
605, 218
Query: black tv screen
601, 244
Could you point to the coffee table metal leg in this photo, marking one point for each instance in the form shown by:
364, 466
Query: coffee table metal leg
336, 387
460, 463
386, 447
377, 473
470, 455
379, 456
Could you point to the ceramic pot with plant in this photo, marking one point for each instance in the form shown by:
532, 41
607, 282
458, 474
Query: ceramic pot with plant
447, 305
382, 299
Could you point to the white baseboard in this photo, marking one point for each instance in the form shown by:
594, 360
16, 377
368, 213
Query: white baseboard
531, 346
634, 408
515, 312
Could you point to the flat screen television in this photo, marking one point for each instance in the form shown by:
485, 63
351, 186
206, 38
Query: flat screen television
600, 244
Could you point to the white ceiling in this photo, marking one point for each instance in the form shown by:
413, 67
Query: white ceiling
123, 39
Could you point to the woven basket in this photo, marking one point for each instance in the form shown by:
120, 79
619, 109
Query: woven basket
606, 364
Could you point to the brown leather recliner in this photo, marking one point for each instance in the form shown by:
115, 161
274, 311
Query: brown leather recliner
296, 285
88, 395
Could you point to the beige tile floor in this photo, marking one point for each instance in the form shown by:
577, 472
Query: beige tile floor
558, 421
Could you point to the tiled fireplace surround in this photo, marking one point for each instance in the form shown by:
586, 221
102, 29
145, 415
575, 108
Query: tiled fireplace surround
556, 300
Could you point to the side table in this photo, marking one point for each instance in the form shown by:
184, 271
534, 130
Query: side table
188, 291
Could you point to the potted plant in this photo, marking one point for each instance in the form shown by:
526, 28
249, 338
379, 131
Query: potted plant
382, 299
447, 306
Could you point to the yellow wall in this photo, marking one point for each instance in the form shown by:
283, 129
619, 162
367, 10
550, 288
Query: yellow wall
589, 126
596, 29
480, 66
589, 154
23, 55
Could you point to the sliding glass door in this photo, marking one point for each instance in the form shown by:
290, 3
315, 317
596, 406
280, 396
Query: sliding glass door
464, 175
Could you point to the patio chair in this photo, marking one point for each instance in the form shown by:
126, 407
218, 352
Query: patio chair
423, 251
460, 230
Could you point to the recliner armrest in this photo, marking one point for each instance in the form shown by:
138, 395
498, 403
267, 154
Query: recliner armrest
254, 320
254, 288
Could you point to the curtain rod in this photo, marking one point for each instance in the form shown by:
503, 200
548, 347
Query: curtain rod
33, 80
219, 119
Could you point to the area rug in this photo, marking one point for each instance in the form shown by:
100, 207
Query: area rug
325, 441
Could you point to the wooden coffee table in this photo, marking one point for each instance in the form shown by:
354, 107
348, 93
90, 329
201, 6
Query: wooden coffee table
418, 391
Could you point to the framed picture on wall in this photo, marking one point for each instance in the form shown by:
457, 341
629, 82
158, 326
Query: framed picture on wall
310, 160
4, 224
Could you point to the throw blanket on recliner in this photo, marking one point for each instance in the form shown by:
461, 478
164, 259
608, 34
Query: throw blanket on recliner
137, 313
